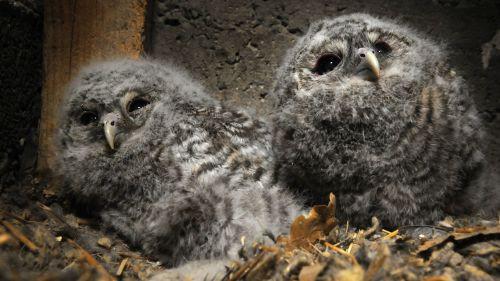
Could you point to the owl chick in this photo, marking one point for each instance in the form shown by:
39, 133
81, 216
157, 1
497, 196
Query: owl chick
166, 166
372, 111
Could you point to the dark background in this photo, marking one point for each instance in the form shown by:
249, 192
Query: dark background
21, 33
234, 48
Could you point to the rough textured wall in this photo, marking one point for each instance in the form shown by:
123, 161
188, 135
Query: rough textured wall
235, 46
20, 82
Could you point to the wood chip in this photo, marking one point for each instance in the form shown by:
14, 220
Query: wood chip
4, 238
105, 242
20, 236
122, 266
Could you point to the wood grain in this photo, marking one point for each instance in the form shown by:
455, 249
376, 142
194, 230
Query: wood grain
75, 34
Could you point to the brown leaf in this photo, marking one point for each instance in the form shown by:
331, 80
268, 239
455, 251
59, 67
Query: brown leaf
306, 230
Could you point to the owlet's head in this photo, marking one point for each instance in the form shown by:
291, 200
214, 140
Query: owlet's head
350, 87
115, 112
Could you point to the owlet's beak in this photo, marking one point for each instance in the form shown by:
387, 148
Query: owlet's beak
110, 128
369, 67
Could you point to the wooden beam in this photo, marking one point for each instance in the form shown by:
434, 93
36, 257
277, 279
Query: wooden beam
77, 32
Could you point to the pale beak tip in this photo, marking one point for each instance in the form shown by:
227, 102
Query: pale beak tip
110, 133
370, 60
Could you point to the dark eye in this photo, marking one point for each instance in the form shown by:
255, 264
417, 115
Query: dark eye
136, 104
382, 47
88, 117
326, 63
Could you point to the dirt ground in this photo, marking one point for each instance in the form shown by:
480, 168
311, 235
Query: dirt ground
234, 47
41, 240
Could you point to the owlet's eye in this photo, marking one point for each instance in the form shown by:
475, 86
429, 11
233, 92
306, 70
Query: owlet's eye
137, 104
382, 47
326, 63
88, 117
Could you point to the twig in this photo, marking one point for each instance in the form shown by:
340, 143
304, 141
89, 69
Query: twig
316, 248
20, 236
372, 229
93, 262
442, 228
391, 234
349, 249
47, 210
9, 214
131, 255
246, 268
342, 252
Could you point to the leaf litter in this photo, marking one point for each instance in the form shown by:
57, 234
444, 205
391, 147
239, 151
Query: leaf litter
319, 248
40, 241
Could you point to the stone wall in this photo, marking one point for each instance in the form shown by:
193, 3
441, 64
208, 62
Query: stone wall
235, 46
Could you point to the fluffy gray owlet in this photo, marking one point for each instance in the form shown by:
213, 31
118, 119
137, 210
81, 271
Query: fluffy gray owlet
167, 166
371, 110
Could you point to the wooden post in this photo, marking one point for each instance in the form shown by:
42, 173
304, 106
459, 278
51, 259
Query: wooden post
77, 32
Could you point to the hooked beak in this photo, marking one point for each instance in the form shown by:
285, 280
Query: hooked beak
110, 132
369, 62
110, 129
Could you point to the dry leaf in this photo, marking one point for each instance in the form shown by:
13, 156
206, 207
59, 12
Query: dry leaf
306, 230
